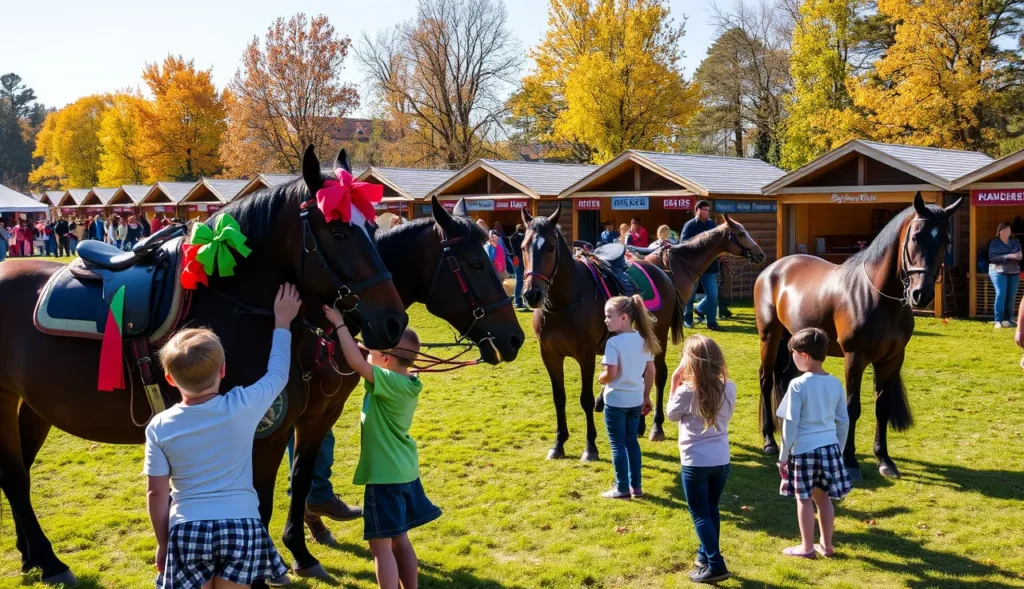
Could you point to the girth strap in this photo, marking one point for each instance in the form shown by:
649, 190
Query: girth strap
140, 350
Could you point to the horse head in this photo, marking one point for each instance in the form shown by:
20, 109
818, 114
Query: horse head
542, 245
741, 244
465, 289
925, 235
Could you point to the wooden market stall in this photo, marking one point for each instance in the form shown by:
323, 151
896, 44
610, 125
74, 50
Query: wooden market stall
44, 198
67, 209
73, 199
208, 196
97, 201
126, 199
163, 198
663, 189
834, 206
406, 188
496, 190
265, 181
997, 196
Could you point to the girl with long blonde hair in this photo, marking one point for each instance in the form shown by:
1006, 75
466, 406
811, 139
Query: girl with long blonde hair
628, 376
702, 402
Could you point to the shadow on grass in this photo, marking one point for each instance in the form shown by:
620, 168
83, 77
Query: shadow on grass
997, 484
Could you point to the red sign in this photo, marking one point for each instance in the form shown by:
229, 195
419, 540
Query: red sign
212, 208
678, 203
449, 205
588, 204
510, 205
995, 197
68, 212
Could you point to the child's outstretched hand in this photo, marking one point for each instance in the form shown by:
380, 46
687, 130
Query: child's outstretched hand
334, 316
286, 306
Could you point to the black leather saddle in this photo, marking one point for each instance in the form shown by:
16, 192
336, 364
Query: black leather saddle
98, 254
645, 251
614, 266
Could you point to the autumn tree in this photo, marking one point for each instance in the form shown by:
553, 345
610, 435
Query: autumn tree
183, 127
944, 80
17, 113
69, 146
122, 160
607, 78
288, 94
444, 74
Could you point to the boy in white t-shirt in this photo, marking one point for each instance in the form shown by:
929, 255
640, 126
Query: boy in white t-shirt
813, 437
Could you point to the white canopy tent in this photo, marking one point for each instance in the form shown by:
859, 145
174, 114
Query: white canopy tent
16, 202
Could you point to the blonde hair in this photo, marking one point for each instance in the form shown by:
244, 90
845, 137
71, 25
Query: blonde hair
664, 233
193, 357
623, 230
703, 367
642, 320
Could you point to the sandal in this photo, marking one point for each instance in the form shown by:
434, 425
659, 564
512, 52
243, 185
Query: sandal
791, 551
823, 551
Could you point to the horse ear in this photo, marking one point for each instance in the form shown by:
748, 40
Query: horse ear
554, 216
441, 216
527, 217
342, 162
728, 219
311, 171
460, 209
953, 207
919, 206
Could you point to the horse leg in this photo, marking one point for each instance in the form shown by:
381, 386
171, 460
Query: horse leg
264, 477
660, 378
554, 363
890, 405
855, 366
14, 482
33, 430
771, 338
587, 364
309, 436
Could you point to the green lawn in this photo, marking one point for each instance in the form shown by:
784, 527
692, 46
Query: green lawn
513, 519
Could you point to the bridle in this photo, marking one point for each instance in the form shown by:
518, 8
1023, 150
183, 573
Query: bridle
745, 251
906, 270
558, 261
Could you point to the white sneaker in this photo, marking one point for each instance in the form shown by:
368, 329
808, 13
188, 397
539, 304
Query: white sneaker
1006, 324
999, 325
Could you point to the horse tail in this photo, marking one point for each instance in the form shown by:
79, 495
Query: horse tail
677, 320
893, 399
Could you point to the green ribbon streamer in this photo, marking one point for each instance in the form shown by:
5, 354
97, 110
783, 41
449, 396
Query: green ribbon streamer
217, 244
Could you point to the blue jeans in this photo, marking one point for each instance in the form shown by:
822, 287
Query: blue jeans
50, 247
321, 489
622, 425
3, 251
703, 486
519, 284
1006, 294
709, 306
74, 246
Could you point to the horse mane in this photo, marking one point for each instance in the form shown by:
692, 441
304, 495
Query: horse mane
257, 213
700, 241
881, 246
399, 234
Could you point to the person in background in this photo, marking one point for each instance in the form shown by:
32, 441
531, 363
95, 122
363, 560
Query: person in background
516, 241
1020, 330
637, 235
608, 234
98, 229
157, 224
19, 238
708, 308
120, 231
664, 235
624, 233
5, 241
1004, 257
49, 239
509, 262
496, 251
133, 232
483, 225
62, 229
144, 223
28, 237
77, 228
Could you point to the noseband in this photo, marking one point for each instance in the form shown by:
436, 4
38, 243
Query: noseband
745, 251
547, 279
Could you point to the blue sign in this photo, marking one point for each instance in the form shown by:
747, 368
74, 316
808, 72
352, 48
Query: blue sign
630, 203
745, 206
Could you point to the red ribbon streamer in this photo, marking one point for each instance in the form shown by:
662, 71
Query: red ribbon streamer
337, 198
193, 274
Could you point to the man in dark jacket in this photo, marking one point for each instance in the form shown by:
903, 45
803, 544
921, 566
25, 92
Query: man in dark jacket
516, 243
708, 308
61, 229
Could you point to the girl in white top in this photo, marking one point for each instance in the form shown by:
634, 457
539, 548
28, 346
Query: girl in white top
628, 376
702, 401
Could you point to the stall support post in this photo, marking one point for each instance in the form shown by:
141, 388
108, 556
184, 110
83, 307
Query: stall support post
780, 230
575, 219
972, 266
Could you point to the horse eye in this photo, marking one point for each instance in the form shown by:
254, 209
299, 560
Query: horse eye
476, 265
550, 248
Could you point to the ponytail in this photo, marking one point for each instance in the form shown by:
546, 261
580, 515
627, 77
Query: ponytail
642, 319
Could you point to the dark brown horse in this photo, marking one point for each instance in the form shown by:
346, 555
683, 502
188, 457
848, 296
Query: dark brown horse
440, 263
568, 320
865, 306
324, 262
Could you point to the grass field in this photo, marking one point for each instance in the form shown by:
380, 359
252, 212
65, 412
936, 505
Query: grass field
514, 520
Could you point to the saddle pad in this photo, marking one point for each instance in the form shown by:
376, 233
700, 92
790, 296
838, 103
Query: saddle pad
69, 306
645, 287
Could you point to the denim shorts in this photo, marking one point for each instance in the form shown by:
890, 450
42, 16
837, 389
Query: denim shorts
392, 510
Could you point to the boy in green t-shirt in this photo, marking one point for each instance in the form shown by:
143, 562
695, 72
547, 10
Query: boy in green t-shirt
394, 501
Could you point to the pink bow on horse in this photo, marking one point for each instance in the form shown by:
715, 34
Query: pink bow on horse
337, 198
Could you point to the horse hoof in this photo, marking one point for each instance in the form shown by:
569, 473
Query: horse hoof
282, 581
589, 456
657, 436
889, 471
325, 538
556, 454
27, 566
316, 571
66, 578
771, 450
855, 474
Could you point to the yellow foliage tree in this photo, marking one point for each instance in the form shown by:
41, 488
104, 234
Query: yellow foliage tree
183, 128
607, 78
69, 144
122, 160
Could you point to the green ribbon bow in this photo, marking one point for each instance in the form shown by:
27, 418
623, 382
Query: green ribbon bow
217, 244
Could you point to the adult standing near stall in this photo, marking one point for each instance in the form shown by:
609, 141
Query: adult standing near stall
708, 308
516, 241
1004, 257
61, 230
157, 223
5, 240
609, 234
77, 234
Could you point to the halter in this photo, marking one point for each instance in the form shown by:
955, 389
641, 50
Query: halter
905, 269
558, 260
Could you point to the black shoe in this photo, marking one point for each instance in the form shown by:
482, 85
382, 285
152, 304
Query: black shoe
726, 313
715, 327
698, 315
707, 576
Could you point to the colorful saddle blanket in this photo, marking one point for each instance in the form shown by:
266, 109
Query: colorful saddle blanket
615, 275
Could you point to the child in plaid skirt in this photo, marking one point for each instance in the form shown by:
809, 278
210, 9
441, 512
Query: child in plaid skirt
814, 433
201, 501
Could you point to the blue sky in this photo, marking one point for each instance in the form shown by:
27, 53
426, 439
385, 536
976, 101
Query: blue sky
65, 49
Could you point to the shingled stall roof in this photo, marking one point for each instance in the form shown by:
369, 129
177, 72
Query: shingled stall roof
702, 175
73, 197
216, 191
496, 179
98, 197
265, 181
892, 167
55, 196
167, 193
406, 183
1007, 171
130, 194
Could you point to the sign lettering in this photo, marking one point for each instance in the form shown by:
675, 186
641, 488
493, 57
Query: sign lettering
683, 203
67, 212
853, 198
745, 206
994, 197
587, 204
479, 205
510, 205
630, 203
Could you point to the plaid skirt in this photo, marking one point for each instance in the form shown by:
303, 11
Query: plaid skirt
822, 468
236, 550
